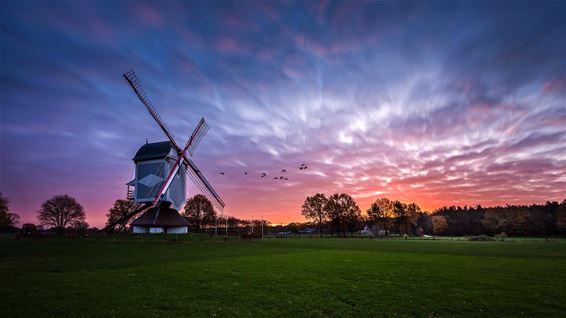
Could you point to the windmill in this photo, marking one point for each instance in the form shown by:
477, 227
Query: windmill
160, 177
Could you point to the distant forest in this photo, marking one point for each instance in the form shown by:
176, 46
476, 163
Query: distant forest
386, 217
533, 220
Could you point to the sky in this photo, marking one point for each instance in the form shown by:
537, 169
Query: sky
438, 103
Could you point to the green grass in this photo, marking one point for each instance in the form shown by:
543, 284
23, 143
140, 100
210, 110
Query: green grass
281, 278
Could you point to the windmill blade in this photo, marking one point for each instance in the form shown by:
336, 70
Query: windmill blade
200, 181
197, 135
130, 76
133, 210
201, 127
167, 183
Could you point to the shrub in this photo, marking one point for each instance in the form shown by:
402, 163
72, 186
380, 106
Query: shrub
501, 236
481, 238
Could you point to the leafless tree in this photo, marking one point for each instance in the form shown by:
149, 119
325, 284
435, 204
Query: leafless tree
61, 211
7, 218
121, 207
200, 212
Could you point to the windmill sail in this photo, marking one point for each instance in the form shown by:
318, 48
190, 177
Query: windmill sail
197, 135
130, 76
200, 181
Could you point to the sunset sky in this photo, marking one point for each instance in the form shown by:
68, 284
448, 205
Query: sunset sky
438, 103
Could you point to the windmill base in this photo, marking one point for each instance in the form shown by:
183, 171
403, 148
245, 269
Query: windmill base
161, 220
160, 229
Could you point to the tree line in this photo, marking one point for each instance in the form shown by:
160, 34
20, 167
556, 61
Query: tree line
200, 213
339, 213
60, 213
63, 213
336, 214
522, 220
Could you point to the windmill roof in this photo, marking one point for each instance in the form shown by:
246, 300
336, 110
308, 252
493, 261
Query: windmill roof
166, 217
154, 150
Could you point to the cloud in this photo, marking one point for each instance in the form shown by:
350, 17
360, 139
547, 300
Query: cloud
435, 103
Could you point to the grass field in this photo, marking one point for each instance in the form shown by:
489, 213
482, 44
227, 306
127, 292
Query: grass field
282, 278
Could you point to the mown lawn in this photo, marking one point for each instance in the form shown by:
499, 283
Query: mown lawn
282, 278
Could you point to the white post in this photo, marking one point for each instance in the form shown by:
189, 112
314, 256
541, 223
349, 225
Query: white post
252, 223
226, 226
262, 226
216, 226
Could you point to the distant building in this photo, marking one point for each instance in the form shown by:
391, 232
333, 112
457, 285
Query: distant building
367, 231
308, 230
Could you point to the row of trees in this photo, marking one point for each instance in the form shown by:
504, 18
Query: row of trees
198, 210
339, 213
342, 213
339, 209
63, 212
535, 219
59, 212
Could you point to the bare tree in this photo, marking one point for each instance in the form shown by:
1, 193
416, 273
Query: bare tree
7, 219
314, 209
121, 207
200, 212
342, 210
62, 211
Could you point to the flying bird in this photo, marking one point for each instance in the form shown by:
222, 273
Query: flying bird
222, 173
283, 170
263, 174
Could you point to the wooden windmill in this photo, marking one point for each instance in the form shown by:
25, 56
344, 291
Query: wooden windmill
160, 177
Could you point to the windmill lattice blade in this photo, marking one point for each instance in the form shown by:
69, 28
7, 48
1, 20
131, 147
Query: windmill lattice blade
200, 181
171, 175
130, 76
133, 210
197, 135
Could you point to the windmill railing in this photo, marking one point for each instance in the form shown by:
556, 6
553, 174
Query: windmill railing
130, 193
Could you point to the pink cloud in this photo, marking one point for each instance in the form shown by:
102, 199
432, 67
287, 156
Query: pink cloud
555, 85
148, 14
229, 45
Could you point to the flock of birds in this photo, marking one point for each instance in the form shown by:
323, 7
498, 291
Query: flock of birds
281, 177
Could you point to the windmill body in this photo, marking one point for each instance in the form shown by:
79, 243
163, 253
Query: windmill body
153, 162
